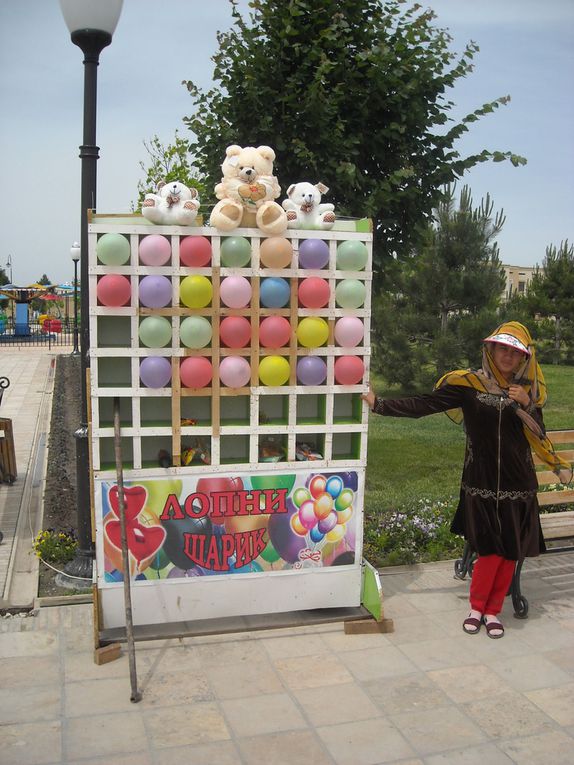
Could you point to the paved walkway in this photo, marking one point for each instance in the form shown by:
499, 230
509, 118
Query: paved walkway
426, 694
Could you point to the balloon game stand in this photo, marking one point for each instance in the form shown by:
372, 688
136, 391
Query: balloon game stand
239, 362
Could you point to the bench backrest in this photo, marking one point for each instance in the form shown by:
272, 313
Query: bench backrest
563, 441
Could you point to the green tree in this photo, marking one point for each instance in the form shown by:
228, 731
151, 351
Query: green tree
169, 162
551, 296
354, 93
444, 297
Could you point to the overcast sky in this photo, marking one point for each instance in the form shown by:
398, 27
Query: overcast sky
526, 50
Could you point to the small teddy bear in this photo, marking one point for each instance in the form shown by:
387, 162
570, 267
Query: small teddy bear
174, 204
247, 190
304, 208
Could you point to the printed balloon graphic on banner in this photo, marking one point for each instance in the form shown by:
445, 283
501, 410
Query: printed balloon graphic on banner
323, 509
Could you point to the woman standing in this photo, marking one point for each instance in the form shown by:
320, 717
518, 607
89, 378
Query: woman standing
501, 406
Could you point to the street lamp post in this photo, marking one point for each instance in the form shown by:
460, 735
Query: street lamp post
91, 28
75, 253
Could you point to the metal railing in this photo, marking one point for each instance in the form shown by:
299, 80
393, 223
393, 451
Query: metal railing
59, 333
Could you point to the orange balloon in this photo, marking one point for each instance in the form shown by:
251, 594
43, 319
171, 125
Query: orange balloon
297, 526
323, 505
344, 515
240, 523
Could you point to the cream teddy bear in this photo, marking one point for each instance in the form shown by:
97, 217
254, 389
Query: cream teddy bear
304, 208
174, 204
247, 190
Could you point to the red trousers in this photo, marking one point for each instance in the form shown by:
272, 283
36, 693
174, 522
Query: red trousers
491, 578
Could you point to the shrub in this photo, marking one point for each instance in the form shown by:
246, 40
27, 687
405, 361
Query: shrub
55, 546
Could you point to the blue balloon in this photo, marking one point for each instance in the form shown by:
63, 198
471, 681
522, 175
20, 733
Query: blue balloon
334, 486
316, 535
274, 292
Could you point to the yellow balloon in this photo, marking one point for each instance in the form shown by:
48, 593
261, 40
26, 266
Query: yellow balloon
195, 291
344, 515
335, 534
297, 526
323, 505
312, 331
274, 370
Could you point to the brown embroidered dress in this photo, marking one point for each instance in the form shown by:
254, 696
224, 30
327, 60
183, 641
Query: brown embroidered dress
498, 510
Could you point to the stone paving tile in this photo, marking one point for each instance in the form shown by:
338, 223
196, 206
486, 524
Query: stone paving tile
21, 672
167, 656
80, 665
552, 748
561, 658
216, 753
98, 697
232, 681
430, 731
462, 684
406, 693
20, 644
339, 642
313, 671
439, 654
169, 688
226, 652
414, 629
104, 735
386, 661
293, 645
426, 602
336, 704
508, 712
141, 758
30, 704
271, 713
37, 743
365, 742
526, 673
196, 723
474, 755
295, 748
558, 703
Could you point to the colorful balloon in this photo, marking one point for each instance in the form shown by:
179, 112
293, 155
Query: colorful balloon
323, 505
274, 332
338, 532
155, 371
174, 545
312, 332
326, 524
113, 249
274, 292
234, 371
195, 291
195, 251
316, 535
313, 292
317, 485
114, 290
349, 331
155, 291
287, 543
195, 332
274, 370
235, 291
217, 484
349, 370
307, 515
352, 255
344, 500
154, 250
311, 370
297, 526
155, 331
313, 253
301, 495
350, 293
195, 372
334, 486
235, 331
235, 252
270, 554
276, 252
274, 481
344, 515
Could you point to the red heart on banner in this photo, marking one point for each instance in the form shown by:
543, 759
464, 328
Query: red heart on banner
143, 541
134, 500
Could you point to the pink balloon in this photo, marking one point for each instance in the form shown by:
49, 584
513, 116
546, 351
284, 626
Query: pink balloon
235, 291
307, 514
274, 332
114, 290
234, 371
349, 331
314, 292
349, 370
155, 250
195, 251
235, 331
196, 372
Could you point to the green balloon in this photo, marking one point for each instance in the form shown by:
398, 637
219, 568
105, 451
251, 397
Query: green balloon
350, 293
281, 481
113, 249
352, 255
344, 500
270, 554
301, 495
235, 252
155, 331
195, 332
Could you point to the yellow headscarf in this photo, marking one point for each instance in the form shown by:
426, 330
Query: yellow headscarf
489, 379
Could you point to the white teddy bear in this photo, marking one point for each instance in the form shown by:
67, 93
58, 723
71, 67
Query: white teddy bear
174, 204
304, 208
247, 190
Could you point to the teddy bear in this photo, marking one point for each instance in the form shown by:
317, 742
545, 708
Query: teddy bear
174, 204
247, 190
304, 208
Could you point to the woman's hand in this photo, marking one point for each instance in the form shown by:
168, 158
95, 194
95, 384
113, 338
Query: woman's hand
518, 394
369, 397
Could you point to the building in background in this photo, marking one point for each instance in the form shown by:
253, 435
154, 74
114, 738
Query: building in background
517, 279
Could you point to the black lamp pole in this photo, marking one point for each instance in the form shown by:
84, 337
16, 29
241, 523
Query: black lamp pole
91, 42
75, 257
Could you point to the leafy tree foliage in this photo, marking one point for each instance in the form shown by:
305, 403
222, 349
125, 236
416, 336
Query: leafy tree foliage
3, 277
350, 92
551, 296
169, 162
444, 298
